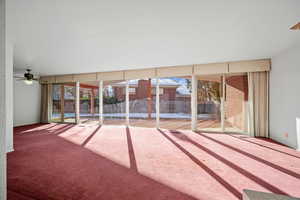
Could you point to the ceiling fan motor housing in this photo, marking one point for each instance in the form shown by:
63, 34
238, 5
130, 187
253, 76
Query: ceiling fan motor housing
28, 76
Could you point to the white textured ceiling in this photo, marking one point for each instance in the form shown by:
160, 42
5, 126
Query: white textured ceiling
74, 36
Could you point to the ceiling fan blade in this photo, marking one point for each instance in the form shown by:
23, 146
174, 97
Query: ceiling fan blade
20, 79
35, 79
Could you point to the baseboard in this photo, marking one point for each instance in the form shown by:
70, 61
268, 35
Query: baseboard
10, 149
283, 142
31, 124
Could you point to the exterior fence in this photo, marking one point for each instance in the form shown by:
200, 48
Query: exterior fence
140, 106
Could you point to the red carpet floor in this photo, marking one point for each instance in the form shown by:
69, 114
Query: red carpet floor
89, 162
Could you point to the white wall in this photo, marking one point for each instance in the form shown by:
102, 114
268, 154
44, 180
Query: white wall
285, 96
60, 37
9, 97
26, 103
2, 103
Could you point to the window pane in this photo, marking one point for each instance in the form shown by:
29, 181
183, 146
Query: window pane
63, 100
236, 103
142, 102
209, 102
175, 103
114, 111
69, 102
89, 102
56, 103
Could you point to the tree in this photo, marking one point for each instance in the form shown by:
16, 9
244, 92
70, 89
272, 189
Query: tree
209, 91
189, 84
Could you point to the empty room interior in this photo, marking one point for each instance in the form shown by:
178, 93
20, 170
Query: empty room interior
149, 100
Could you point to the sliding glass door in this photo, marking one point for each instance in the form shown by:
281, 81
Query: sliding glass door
63, 103
222, 103
175, 103
142, 99
89, 102
114, 105
69, 103
209, 102
56, 103
236, 103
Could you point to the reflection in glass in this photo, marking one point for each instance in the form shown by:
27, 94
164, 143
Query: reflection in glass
235, 106
69, 102
114, 108
89, 102
56, 103
209, 93
175, 103
63, 103
142, 98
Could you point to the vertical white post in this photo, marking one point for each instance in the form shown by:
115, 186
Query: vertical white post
127, 102
245, 112
77, 103
50, 102
222, 104
250, 105
194, 103
62, 103
3, 109
157, 103
101, 102
298, 133
9, 96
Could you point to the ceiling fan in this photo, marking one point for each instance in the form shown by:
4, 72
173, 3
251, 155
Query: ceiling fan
296, 26
28, 77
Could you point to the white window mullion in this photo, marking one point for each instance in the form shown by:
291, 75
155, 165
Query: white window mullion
222, 104
101, 102
127, 102
77, 102
157, 103
194, 103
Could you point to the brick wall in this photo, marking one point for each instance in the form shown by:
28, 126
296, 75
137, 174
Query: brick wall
142, 92
119, 93
235, 102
